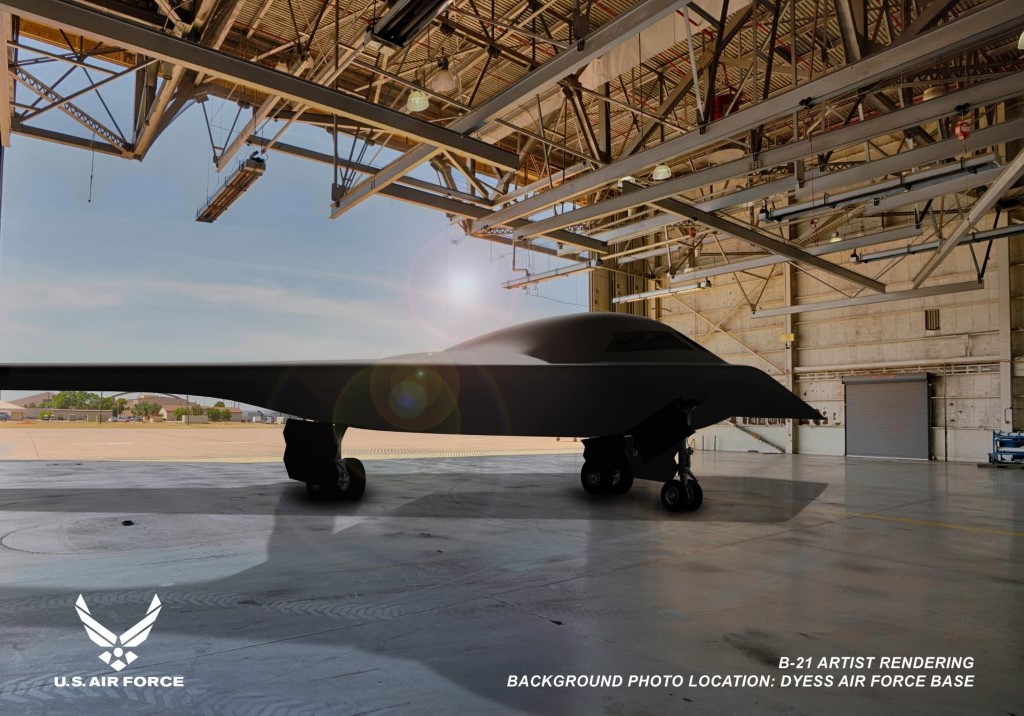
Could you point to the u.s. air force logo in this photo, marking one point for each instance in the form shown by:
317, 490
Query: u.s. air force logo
117, 653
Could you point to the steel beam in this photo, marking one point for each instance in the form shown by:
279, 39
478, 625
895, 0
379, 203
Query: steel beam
957, 185
6, 82
987, 23
325, 77
766, 242
993, 91
879, 298
70, 16
75, 112
1006, 179
412, 182
85, 90
68, 140
733, 26
609, 35
418, 192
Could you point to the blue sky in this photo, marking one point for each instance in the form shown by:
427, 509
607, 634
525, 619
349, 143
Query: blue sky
132, 277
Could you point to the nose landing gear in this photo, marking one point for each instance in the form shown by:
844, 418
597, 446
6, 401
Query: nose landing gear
313, 455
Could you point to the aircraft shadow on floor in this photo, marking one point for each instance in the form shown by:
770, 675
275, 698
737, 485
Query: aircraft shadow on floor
521, 496
353, 588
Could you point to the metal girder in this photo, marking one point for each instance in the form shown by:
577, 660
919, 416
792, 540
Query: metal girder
957, 185
68, 140
543, 276
575, 98
411, 192
325, 77
5, 82
633, 21
988, 22
732, 27
85, 90
471, 177
72, 110
995, 90
213, 35
412, 182
880, 237
1006, 179
928, 16
67, 15
879, 298
766, 242
852, 32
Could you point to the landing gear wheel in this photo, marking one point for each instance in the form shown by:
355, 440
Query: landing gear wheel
591, 478
612, 478
347, 483
681, 495
621, 481
356, 478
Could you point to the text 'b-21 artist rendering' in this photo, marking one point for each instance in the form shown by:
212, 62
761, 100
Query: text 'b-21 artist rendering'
632, 387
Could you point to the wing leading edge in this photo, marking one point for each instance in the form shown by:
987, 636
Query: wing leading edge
443, 397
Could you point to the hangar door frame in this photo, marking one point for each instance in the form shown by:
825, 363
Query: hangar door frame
888, 416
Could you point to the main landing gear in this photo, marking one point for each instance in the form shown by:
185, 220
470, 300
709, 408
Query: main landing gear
683, 494
312, 455
610, 468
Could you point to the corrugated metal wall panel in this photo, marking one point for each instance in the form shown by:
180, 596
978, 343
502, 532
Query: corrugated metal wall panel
888, 417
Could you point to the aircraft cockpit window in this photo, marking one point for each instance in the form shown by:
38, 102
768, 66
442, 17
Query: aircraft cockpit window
650, 341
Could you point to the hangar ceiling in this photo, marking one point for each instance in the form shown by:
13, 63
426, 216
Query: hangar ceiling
667, 141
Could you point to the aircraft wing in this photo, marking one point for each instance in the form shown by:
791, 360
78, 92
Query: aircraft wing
439, 395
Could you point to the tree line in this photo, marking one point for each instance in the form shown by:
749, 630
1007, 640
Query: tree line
82, 400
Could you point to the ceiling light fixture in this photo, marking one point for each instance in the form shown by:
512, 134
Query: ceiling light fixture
658, 293
625, 179
1020, 42
418, 101
444, 80
661, 173
836, 238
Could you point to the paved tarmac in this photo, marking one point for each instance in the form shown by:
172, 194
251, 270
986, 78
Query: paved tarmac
453, 574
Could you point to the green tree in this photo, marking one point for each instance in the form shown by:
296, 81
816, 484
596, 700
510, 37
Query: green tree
118, 407
197, 409
219, 404
218, 415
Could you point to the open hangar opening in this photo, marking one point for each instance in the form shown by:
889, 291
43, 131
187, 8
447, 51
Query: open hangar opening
827, 190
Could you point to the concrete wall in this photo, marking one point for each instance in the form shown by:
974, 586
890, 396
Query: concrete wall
963, 356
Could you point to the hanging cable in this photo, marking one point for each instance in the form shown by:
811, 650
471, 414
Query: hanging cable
92, 165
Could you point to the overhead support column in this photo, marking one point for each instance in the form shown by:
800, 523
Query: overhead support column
633, 21
71, 16
1006, 179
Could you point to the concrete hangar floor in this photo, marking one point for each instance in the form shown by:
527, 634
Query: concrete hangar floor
453, 574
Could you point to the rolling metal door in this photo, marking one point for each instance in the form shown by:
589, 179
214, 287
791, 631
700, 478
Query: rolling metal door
888, 416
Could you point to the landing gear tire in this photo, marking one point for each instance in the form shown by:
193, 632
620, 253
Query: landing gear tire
349, 482
622, 481
681, 495
592, 479
356, 478
606, 479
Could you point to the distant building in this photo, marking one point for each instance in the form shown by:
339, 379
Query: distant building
237, 414
13, 410
29, 400
68, 414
